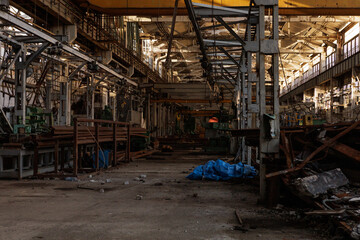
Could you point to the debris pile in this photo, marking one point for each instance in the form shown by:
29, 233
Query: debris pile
322, 168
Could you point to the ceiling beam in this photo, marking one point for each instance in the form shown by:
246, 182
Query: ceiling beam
175, 85
166, 7
168, 100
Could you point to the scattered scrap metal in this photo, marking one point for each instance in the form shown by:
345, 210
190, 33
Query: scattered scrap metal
315, 174
320, 164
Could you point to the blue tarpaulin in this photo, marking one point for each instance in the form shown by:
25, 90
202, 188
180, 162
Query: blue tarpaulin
221, 170
103, 159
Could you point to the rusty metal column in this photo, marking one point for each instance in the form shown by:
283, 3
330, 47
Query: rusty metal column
49, 90
276, 88
148, 113
114, 107
56, 156
155, 122
159, 125
244, 92
262, 109
162, 120
115, 144
352, 96
76, 147
20, 88
252, 81
128, 145
65, 98
331, 100
36, 160
90, 92
97, 146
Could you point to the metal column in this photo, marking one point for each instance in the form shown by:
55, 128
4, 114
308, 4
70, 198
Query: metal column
90, 98
65, 100
49, 85
268, 111
20, 88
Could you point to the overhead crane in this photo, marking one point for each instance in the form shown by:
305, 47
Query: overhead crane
166, 7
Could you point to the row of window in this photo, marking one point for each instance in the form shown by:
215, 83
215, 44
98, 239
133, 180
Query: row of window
330, 60
315, 70
351, 47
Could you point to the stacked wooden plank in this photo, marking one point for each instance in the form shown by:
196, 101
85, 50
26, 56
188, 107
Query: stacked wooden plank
134, 155
87, 134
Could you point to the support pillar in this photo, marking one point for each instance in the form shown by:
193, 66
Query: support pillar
155, 119
339, 44
262, 109
48, 87
331, 100
269, 117
160, 120
90, 98
20, 89
148, 113
114, 104
65, 99
352, 96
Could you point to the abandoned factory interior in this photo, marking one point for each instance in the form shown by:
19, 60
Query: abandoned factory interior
179, 119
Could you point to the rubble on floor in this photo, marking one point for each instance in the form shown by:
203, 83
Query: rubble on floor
320, 183
322, 171
320, 165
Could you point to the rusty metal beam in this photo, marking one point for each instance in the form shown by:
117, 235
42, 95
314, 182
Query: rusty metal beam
171, 34
346, 150
285, 147
200, 112
167, 100
328, 143
166, 7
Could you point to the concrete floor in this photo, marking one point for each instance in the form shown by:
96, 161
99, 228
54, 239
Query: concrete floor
171, 207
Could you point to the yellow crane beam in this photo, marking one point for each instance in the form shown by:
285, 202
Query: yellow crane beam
166, 7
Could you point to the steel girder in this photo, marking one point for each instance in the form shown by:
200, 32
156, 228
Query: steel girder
52, 40
165, 7
257, 107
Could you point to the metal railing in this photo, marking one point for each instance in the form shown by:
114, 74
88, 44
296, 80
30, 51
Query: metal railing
107, 38
114, 133
347, 52
299, 81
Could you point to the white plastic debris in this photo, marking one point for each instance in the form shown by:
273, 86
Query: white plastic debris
108, 180
71, 179
143, 176
126, 183
355, 234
